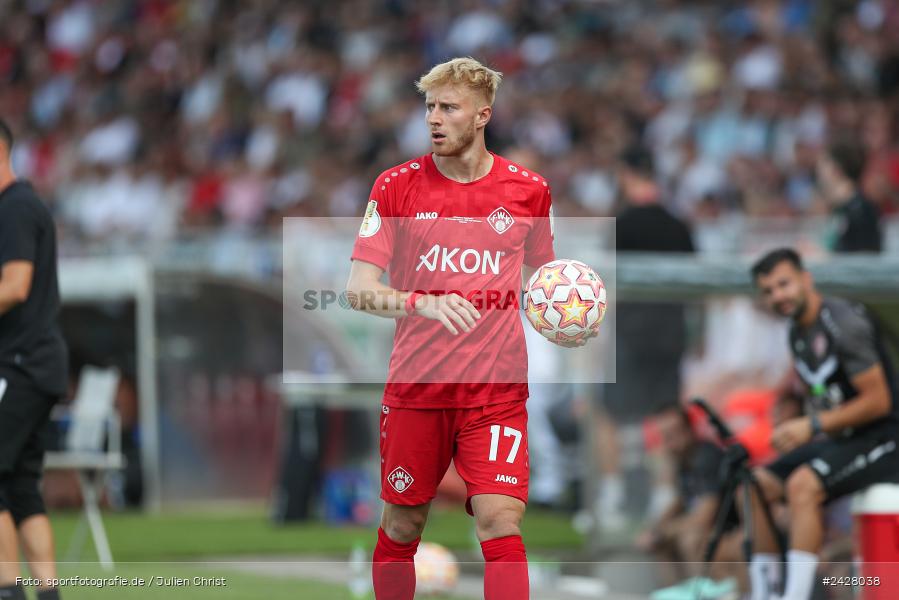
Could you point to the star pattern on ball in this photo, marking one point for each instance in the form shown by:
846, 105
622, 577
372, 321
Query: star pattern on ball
573, 310
537, 316
586, 276
550, 278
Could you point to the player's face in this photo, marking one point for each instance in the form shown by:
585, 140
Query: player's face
784, 290
453, 115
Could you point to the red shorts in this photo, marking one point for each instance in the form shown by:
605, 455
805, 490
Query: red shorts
488, 444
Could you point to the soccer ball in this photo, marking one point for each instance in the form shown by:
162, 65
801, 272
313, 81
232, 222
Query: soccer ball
566, 300
436, 570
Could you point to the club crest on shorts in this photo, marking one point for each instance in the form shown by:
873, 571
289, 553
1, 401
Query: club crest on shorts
400, 480
500, 220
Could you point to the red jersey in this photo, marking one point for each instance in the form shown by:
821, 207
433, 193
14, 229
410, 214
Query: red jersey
437, 235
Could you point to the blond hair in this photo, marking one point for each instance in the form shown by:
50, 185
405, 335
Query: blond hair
464, 71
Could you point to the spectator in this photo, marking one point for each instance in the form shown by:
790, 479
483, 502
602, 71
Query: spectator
857, 220
679, 535
644, 225
733, 100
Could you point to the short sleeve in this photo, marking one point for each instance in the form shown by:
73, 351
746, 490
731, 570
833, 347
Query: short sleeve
18, 232
856, 346
538, 248
375, 240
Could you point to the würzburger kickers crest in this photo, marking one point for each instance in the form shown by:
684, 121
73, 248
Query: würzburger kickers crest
400, 480
500, 220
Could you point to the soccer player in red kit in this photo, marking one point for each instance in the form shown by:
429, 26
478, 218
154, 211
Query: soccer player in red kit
457, 230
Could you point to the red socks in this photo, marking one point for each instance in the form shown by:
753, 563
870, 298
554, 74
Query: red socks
506, 571
505, 574
392, 568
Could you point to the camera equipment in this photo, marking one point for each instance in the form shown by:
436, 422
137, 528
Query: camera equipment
736, 473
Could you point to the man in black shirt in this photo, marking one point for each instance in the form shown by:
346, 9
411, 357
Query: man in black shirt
857, 220
849, 437
650, 338
645, 225
33, 373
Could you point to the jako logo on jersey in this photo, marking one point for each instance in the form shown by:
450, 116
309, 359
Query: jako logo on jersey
425, 215
506, 479
400, 480
500, 220
468, 261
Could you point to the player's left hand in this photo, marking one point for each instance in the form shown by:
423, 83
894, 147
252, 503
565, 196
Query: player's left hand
791, 434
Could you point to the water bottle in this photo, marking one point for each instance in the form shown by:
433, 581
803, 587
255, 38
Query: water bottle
360, 577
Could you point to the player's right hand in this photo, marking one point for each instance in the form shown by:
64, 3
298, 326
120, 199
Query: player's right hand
454, 311
591, 333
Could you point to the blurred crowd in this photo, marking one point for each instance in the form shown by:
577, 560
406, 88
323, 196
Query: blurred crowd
146, 118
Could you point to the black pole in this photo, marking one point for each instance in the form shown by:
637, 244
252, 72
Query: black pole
737, 474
